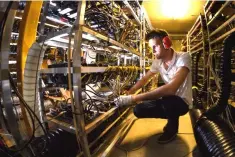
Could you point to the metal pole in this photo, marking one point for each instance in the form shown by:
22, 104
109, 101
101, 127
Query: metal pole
77, 86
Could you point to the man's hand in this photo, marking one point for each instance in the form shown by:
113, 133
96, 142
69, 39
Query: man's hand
125, 100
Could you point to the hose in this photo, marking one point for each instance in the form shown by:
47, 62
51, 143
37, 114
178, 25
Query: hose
225, 76
214, 137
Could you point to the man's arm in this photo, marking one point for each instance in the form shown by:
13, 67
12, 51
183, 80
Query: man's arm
168, 89
141, 82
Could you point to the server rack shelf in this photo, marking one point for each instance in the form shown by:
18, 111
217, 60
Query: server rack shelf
197, 45
220, 23
53, 37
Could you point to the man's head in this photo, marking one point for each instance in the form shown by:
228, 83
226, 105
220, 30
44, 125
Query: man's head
158, 39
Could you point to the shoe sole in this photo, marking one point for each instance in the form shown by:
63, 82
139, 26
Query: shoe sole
164, 142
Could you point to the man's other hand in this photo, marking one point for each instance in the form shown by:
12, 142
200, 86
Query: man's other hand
124, 100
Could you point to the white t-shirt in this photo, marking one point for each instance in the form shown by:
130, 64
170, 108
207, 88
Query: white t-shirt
178, 60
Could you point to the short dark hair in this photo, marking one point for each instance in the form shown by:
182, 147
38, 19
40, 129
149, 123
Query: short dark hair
156, 33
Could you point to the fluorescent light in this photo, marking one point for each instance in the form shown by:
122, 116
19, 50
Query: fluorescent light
13, 33
16, 17
88, 37
175, 9
13, 43
52, 43
62, 40
94, 26
65, 11
68, 14
13, 72
51, 3
59, 10
115, 47
59, 36
12, 62
47, 24
58, 21
73, 15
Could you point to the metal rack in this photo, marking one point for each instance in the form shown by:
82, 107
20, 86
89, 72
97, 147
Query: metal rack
197, 46
220, 17
29, 71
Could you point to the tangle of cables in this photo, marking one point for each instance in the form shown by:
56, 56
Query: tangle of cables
99, 91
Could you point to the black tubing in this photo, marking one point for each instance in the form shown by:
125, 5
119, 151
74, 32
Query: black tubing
214, 137
225, 75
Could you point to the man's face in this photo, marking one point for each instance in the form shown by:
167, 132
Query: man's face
158, 49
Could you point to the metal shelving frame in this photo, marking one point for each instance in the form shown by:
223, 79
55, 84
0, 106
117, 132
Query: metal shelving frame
79, 128
213, 37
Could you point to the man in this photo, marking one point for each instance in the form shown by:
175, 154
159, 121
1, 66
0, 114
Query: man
171, 100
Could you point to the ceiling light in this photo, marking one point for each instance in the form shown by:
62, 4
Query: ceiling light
53, 4
47, 24
59, 10
115, 47
89, 37
94, 26
13, 33
175, 9
59, 36
16, 17
65, 11
68, 14
12, 62
73, 15
58, 21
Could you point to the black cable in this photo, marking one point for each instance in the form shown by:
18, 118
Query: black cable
4, 20
30, 111
90, 99
31, 117
11, 80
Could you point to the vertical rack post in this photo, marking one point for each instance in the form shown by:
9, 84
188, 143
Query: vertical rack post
78, 108
143, 40
141, 46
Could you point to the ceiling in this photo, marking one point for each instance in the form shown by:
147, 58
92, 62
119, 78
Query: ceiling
157, 11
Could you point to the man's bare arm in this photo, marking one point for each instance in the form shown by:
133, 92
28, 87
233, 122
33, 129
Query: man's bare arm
141, 82
168, 89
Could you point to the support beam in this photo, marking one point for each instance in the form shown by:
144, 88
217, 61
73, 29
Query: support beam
77, 84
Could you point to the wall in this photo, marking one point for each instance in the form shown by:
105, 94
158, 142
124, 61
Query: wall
176, 45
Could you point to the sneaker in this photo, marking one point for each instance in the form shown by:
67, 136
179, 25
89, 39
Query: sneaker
167, 137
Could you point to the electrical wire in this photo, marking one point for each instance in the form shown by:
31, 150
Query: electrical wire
30, 111
11, 80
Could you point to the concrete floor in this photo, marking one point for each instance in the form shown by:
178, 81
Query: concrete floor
141, 140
